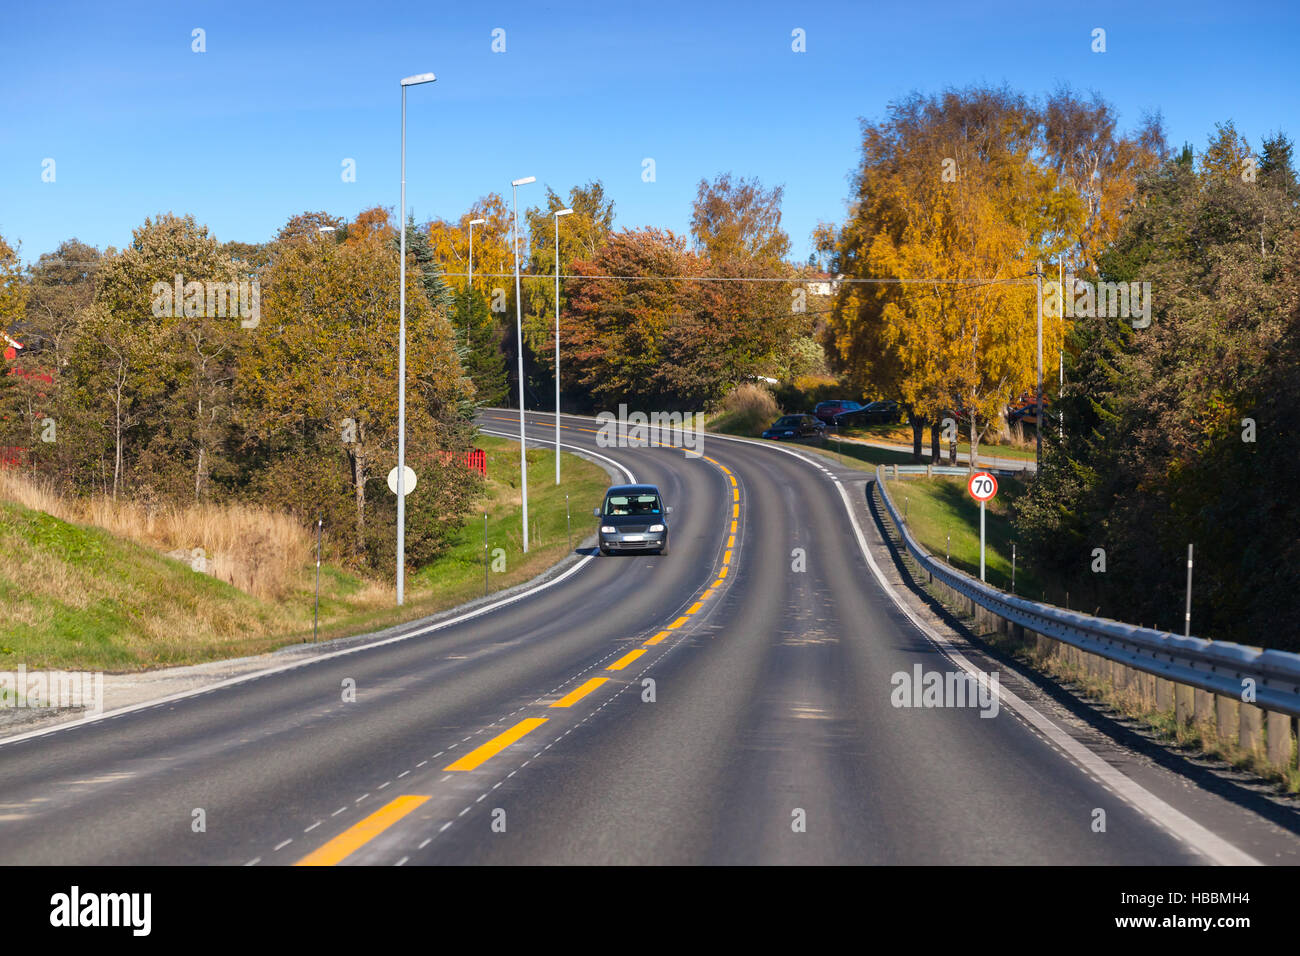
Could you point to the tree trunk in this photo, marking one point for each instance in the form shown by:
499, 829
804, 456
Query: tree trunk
934, 443
918, 430
117, 438
359, 482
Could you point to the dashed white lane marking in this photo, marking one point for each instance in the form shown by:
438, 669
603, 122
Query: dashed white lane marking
401, 861
281, 845
338, 811
254, 861
427, 841
313, 826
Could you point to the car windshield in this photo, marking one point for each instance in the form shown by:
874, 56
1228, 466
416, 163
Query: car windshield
632, 505
787, 421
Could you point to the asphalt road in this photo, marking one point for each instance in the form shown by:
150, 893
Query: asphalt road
756, 725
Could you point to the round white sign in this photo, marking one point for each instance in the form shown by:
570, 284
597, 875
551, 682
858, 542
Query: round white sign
410, 480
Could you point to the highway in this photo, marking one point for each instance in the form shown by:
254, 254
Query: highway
730, 702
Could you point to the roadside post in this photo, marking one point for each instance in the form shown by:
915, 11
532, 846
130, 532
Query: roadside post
983, 487
315, 614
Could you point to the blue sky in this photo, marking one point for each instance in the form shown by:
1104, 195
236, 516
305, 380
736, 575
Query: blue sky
257, 128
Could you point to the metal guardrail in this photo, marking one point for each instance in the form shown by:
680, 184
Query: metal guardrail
1216, 666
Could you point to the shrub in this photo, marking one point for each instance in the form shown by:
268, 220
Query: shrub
746, 410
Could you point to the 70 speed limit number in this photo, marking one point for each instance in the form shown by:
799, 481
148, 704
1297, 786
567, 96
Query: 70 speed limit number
982, 486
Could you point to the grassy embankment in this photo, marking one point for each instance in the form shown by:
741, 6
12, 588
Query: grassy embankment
939, 507
90, 585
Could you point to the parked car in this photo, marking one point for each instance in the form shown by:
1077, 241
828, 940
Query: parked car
827, 411
633, 518
876, 413
1026, 413
795, 426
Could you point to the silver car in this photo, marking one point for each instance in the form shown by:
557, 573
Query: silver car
633, 518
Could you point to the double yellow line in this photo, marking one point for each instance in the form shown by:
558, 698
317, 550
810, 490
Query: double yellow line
356, 836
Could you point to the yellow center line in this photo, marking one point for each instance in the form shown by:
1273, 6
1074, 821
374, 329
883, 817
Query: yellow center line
695, 607
726, 558
706, 595
717, 583
735, 511
733, 527
676, 624
358, 835
735, 494
731, 541
733, 480
497, 744
723, 573
575, 695
656, 639
626, 659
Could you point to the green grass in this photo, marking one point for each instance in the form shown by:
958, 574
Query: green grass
77, 597
939, 509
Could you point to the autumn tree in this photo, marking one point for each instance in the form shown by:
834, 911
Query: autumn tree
317, 380
62, 289
155, 365
951, 210
1100, 164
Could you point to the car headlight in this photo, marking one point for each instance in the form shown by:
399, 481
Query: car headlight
606, 529
656, 527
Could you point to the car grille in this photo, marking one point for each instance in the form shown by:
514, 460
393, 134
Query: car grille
632, 528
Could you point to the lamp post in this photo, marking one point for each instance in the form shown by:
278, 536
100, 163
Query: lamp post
519, 339
1038, 416
472, 224
558, 214
416, 80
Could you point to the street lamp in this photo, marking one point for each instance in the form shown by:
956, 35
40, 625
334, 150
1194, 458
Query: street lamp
416, 80
1038, 416
469, 312
558, 214
519, 338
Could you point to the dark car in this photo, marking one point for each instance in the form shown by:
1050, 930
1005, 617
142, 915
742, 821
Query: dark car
1026, 413
795, 426
827, 411
633, 518
876, 413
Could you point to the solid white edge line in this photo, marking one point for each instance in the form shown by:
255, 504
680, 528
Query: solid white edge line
1177, 823
1201, 839
254, 675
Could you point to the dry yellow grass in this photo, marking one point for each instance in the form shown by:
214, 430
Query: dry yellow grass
261, 552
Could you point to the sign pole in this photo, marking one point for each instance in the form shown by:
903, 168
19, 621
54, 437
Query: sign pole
981, 540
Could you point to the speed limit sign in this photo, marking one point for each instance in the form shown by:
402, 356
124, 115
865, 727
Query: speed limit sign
982, 486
